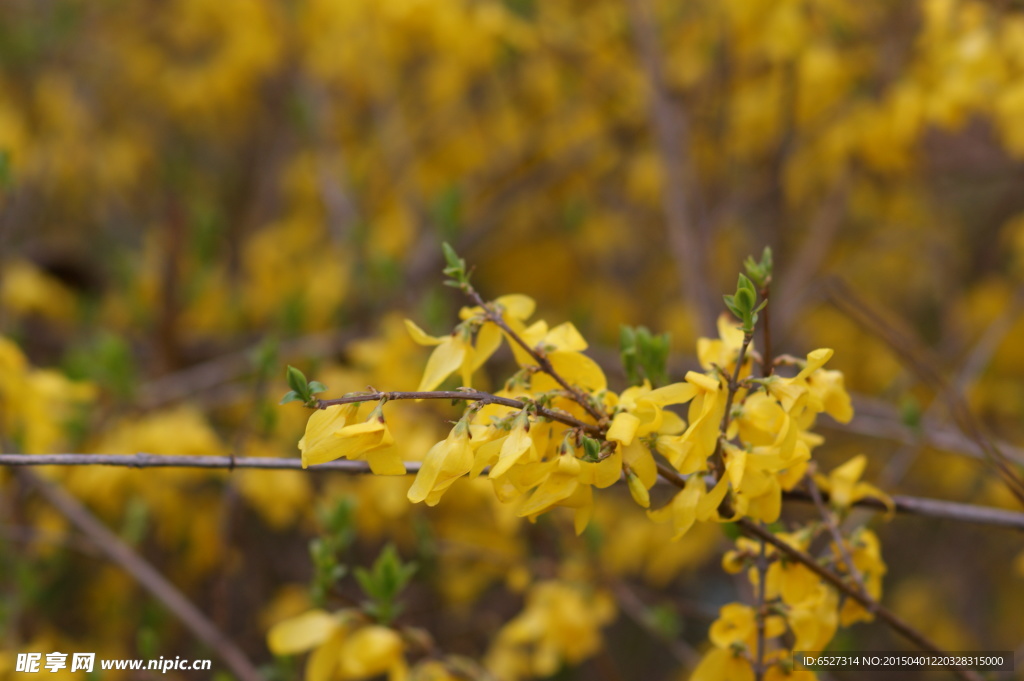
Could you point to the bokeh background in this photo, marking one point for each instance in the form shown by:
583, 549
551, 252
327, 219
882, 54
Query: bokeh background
194, 194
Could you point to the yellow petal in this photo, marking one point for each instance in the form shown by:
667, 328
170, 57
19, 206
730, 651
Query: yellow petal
512, 449
370, 651
517, 306
445, 360
299, 634
487, 341
639, 459
553, 490
579, 370
676, 393
566, 338
420, 336
386, 461
447, 460
623, 428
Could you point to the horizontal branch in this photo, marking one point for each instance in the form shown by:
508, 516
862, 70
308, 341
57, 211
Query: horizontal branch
470, 395
145, 460
922, 506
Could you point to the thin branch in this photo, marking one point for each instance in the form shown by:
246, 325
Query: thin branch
733, 388
147, 576
470, 395
146, 460
881, 612
636, 610
833, 529
540, 358
753, 529
878, 419
762, 613
767, 363
922, 506
680, 191
919, 360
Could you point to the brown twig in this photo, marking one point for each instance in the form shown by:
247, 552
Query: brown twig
679, 195
767, 363
637, 610
753, 529
733, 388
919, 360
762, 614
833, 529
540, 358
932, 508
470, 395
147, 576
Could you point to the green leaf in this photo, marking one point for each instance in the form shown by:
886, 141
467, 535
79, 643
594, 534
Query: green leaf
452, 258
316, 387
291, 396
297, 382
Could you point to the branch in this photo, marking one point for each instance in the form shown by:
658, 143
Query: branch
671, 134
146, 460
542, 361
922, 506
147, 576
753, 529
470, 395
919, 360
833, 529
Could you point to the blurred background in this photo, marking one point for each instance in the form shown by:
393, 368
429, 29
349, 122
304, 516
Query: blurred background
194, 194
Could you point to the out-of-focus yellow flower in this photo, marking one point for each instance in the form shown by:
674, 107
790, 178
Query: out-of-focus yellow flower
25, 289
344, 647
866, 552
720, 664
561, 623
845, 486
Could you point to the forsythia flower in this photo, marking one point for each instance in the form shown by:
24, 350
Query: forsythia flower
457, 351
446, 462
345, 648
561, 623
845, 486
330, 434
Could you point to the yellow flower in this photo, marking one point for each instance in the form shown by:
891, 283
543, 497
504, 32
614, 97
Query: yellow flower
814, 620
691, 504
689, 452
719, 664
845, 487
560, 623
867, 557
330, 435
446, 462
515, 446
344, 647
724, 350
454, 352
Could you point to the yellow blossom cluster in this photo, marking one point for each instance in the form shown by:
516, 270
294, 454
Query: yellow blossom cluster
538, 461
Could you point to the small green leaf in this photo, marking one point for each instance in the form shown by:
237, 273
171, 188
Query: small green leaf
316, 387
451, 257
290, 396
297, 382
